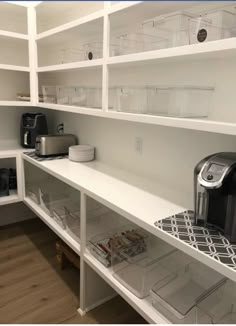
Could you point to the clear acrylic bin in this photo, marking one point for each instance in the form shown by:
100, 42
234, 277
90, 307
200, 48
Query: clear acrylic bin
63, 94
32, 191
109, 248
49, 94
174, 28
184, 102
213, 26
139, 42
93, 50
140, 273
78, 96
219, 306
180, 291
130, 99
94, 97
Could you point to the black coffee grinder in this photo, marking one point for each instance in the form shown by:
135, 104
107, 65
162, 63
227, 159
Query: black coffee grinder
215, 193
32, 125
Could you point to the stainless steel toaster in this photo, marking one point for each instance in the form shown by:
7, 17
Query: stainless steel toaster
51, 145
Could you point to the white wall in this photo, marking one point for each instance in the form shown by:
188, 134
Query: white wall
169, 154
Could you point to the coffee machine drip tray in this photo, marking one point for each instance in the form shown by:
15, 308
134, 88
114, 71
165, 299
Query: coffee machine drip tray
210, 241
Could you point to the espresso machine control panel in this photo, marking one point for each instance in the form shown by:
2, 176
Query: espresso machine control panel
214, 171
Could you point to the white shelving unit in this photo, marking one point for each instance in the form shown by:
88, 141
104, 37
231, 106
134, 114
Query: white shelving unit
113, 188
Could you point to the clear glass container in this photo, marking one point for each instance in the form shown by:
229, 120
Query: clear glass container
140, 273
184, 102
213, 26
110, 247
173, 28
131, 99
181, 290
49, 94
220, 305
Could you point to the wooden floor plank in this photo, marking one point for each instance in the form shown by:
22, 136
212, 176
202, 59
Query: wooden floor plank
33, 289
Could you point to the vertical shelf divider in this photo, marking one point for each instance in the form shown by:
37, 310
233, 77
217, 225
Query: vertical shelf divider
105, 72
33, 60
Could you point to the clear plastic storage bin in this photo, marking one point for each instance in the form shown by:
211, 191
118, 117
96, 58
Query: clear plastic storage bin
93, 50
181, 102
219, 306
63, 94
32, 191
49, 94
139, 42
94, 97
213, 26
140, 273
110, 247
130, 99
180, 291
173, 28
78, 96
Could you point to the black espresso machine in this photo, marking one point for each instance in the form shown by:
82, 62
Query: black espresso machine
32, 125
215, 193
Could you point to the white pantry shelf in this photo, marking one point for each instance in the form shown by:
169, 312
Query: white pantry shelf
11, 199
153, 201
53, 225
210, 50
65, 27
72, 66
14, 35
14, 68
225, 128
72, 109
15, 103
142, 306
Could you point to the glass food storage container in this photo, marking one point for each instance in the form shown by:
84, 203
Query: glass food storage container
131, 99
183, 102
110, 247
219, 306
174, 28
180, 291
140, 273
49, 94
213, 26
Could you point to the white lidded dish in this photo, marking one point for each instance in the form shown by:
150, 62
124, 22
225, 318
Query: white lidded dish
140, 273
181, 290
81, 153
